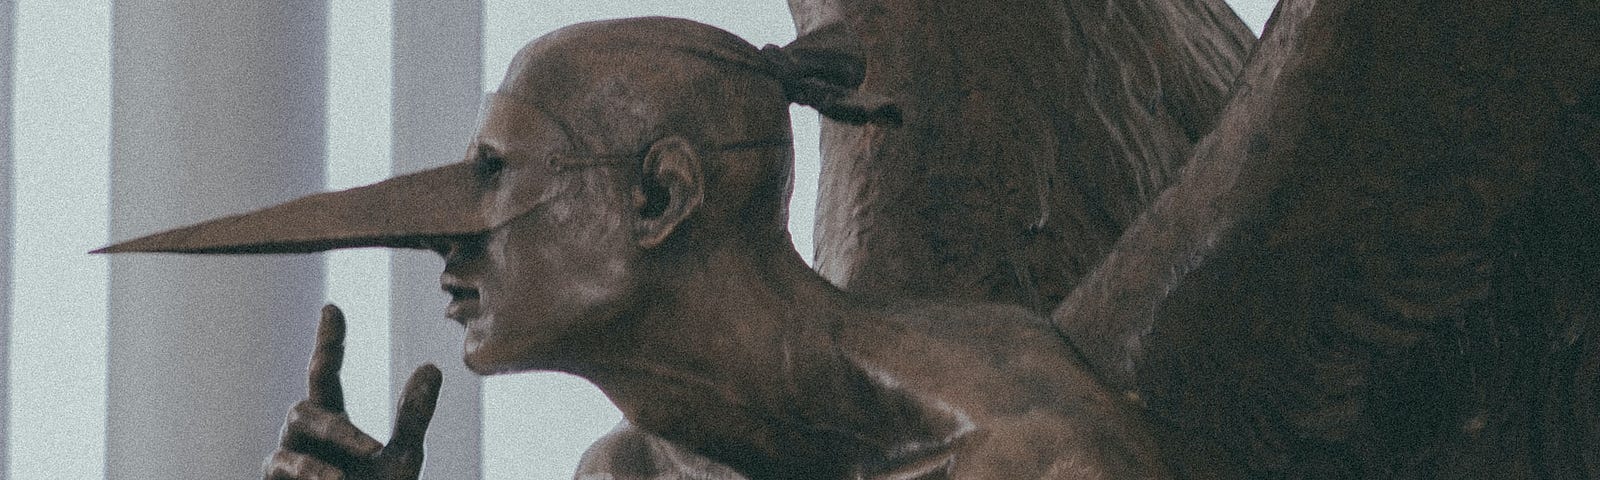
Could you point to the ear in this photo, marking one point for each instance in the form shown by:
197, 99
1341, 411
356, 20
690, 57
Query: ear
670, 189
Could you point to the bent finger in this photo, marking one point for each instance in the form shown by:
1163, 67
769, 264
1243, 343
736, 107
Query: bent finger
324, 387
286, 465
310, 429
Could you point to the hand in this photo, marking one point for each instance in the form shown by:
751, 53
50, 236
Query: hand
319, 442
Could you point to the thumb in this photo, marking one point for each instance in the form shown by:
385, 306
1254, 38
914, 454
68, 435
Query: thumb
416, 410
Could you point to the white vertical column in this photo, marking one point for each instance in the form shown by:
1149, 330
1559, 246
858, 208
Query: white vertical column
60, 122
7, 33
359, 81
437, 60
217, 108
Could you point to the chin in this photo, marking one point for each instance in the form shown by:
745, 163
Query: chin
480, 355
483, 362
487, 361
482, 366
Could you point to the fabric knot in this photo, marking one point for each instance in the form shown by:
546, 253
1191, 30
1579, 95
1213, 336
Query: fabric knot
822, 69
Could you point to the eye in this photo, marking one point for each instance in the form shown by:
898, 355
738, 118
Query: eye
488, 164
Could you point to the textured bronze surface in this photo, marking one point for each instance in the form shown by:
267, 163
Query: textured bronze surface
1381, 264
1035, 130
1378, 261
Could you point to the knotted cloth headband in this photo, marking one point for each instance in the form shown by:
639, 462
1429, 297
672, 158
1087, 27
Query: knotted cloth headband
822, 69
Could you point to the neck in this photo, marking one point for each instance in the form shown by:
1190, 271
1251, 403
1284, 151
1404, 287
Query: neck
737, 359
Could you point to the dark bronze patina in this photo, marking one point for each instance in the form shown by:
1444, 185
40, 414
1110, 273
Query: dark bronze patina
1378, 263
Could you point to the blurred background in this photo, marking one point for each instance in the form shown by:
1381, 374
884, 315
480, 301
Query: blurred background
112, 118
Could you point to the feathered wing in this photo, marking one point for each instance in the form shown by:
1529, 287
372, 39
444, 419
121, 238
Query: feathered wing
1385, 259
1034, 131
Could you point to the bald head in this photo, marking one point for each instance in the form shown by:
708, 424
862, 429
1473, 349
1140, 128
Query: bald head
620, 84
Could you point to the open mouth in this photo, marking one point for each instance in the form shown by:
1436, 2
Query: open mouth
459, 293
463, 302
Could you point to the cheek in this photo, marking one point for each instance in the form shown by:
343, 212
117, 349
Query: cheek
580, 254
551, 272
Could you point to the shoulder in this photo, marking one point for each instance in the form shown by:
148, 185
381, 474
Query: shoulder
997, 335
628, 453
1000, 356
1034, 406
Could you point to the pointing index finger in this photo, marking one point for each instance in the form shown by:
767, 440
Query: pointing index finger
324, 390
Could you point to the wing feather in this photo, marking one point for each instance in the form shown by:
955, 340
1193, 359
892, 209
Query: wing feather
1382, 262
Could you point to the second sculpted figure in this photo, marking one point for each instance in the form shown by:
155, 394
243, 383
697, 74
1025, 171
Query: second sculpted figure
620, 215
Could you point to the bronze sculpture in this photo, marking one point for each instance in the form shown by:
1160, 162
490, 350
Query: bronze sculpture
1243, 229
818, 383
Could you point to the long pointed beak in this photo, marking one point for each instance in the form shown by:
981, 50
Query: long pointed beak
410, 211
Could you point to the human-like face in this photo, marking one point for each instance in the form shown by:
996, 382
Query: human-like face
550, 279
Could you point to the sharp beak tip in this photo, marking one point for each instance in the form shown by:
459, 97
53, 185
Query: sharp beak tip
123, 247
140, 245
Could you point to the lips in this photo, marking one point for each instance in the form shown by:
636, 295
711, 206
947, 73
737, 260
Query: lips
462, 311
463, 300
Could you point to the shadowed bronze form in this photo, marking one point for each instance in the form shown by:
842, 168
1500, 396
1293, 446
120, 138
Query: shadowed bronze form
1393, 204
1381, 262
1036, 131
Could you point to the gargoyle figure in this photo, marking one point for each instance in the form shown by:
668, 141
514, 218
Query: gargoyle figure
1378, 264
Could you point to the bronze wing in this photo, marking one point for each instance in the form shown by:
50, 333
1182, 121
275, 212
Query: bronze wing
1383, 262
1034, 132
